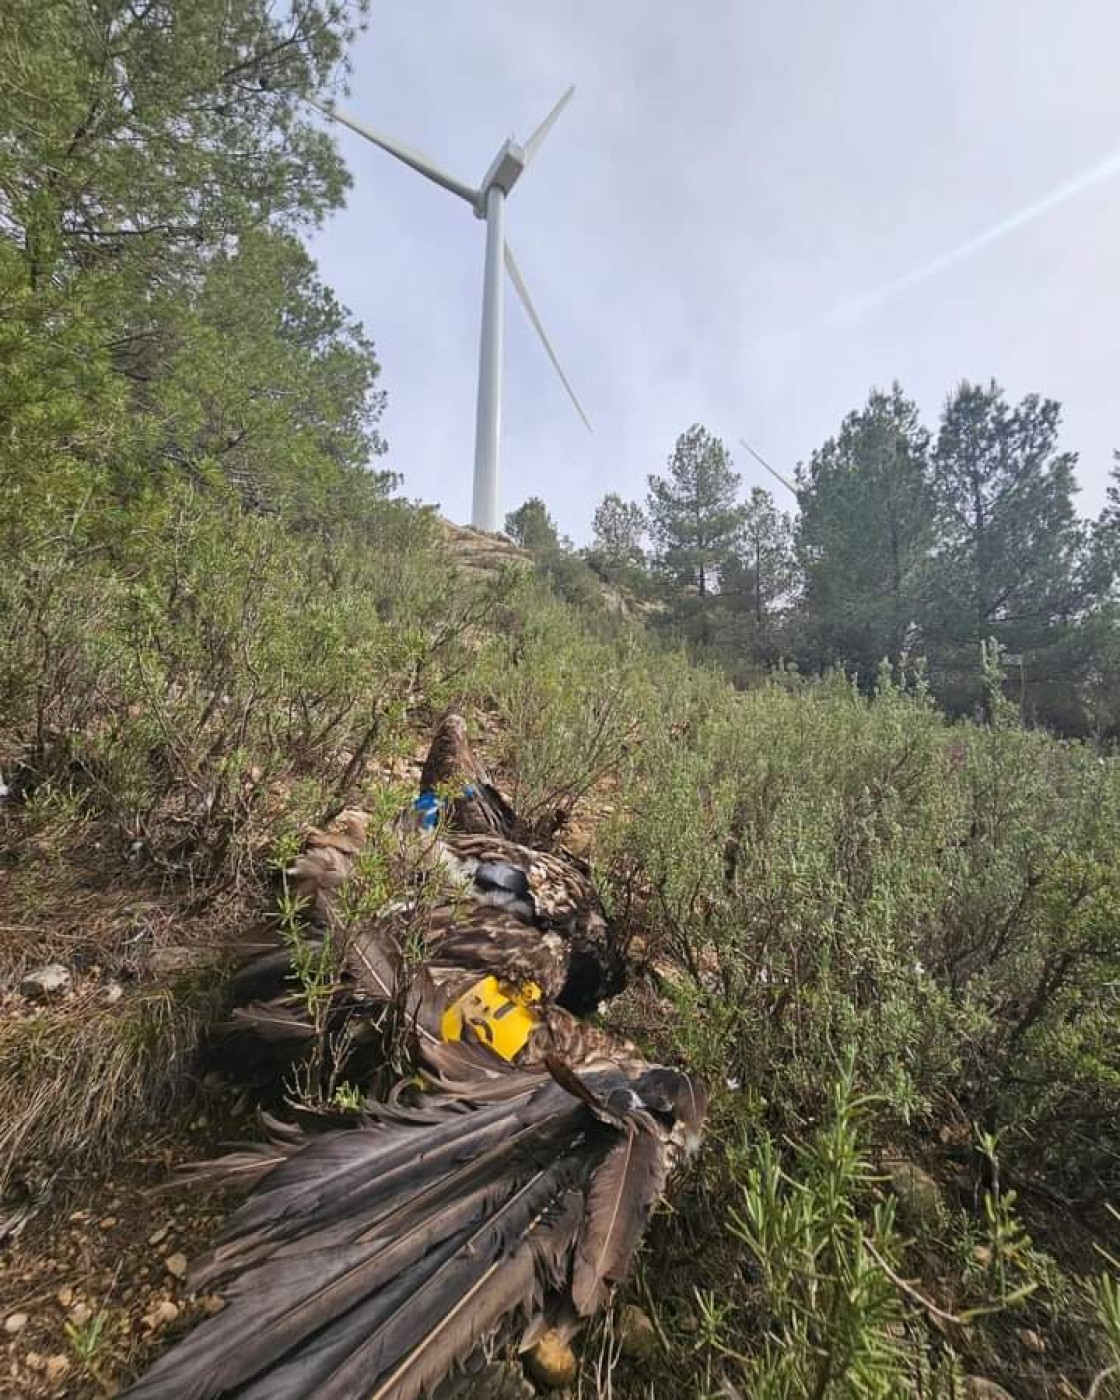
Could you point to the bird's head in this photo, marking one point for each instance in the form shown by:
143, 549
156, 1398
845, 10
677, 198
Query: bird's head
450, 759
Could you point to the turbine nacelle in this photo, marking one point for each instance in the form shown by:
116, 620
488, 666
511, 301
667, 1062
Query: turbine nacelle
505, 170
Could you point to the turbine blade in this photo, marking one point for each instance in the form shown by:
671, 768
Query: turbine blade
763, 462
533, 144
419, 162
530, 310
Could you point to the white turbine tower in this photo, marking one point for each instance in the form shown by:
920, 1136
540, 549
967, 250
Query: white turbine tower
488, 202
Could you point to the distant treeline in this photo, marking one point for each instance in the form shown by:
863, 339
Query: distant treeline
945, 554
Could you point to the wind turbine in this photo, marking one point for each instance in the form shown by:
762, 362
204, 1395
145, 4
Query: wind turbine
488, 201
758, 457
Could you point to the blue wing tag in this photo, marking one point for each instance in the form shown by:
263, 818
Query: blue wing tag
428, 805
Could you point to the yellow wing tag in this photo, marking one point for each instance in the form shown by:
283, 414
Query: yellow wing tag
501, 1016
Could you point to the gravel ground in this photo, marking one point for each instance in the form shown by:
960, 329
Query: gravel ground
93, 1287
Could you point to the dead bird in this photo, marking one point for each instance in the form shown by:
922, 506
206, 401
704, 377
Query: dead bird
499, 1195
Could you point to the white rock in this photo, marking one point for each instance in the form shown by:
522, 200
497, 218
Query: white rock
50, 980
164, 1312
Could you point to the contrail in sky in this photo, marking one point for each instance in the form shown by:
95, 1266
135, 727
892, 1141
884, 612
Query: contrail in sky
854, 306
1064, 192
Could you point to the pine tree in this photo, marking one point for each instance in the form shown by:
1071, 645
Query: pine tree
1011, 553
863, 535
144, 136
265, 376
618, 527
156, 166
531, 526
695, 518
1101, 626
760, 577
1102, 555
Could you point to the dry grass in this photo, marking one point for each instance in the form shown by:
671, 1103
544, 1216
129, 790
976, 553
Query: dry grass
81, 1079
83, 1075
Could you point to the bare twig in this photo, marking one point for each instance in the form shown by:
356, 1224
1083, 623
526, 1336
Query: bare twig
912, 1292
1100, 1379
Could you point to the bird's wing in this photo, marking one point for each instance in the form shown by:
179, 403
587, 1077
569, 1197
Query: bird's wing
372, 1261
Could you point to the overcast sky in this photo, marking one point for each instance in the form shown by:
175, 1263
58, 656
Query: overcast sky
749, 214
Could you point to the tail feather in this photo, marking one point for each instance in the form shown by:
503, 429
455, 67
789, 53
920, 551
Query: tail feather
304, 1370
220, 1359
363, 1175
314, 1288
462, 1300
290, 1286
266, 971
542, 1225
275, 1022
619, 1201
374, 958
372, 1261
246, 1168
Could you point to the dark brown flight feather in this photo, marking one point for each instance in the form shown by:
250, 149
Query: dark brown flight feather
619, 1201
370, 1262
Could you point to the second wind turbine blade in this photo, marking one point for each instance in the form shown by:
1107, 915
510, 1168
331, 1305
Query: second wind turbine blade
533, 144
530, 310
761, 460
411, 157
